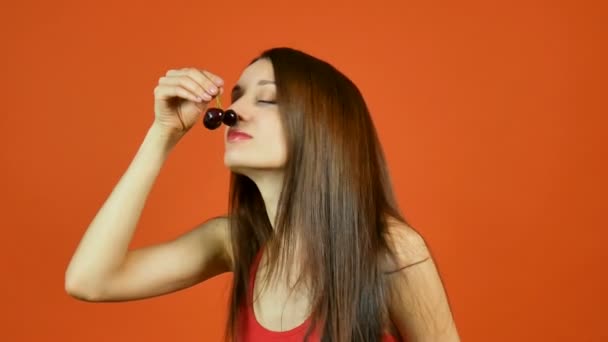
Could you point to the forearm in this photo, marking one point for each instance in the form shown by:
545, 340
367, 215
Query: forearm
105, 243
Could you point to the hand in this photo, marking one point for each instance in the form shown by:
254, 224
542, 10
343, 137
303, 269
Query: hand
182, 95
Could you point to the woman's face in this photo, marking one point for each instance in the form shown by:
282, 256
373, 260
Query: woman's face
259, 141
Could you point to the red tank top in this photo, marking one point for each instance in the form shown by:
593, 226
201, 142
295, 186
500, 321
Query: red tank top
252, 331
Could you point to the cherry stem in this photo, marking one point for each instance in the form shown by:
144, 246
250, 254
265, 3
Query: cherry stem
219, 103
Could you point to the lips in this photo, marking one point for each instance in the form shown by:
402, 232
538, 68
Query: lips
234, 135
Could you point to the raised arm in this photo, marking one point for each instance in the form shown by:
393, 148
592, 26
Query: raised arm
102, 268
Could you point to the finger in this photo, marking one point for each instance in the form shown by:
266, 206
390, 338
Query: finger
206, 80
197, 75
218, 81
165, 91
187, 83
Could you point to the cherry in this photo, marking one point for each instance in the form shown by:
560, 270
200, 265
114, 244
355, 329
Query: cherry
214, 116
230, 118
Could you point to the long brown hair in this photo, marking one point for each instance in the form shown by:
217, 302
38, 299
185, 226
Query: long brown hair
334, 202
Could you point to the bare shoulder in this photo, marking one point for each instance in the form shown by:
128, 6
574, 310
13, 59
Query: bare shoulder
219, 227
418, 302
406, 244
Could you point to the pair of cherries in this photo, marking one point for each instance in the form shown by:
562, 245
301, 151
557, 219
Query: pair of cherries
215, 116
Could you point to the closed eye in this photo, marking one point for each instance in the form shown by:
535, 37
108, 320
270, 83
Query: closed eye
269, 102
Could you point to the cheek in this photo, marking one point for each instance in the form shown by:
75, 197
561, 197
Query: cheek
272, 148
280, 141
274, 134
268, 148
280, 149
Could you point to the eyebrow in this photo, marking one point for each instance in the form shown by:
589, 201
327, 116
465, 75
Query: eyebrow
237, 90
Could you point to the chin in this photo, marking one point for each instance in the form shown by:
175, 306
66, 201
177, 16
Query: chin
239, 166
252, 160
247, 167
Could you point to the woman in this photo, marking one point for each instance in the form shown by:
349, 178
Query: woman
313, 235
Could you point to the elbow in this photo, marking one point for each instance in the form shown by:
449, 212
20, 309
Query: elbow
82, 290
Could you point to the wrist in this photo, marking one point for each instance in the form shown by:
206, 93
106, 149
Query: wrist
167, 137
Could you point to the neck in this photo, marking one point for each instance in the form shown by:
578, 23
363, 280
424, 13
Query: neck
269, 183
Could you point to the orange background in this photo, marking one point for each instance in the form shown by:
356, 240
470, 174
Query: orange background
491, 114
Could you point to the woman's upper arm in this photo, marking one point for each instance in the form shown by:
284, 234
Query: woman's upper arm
418, 306
159, 269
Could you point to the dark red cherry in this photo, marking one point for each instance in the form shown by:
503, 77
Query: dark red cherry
230, 118
213, 118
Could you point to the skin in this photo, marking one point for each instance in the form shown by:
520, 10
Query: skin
104, 269
262, 157
420, 310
